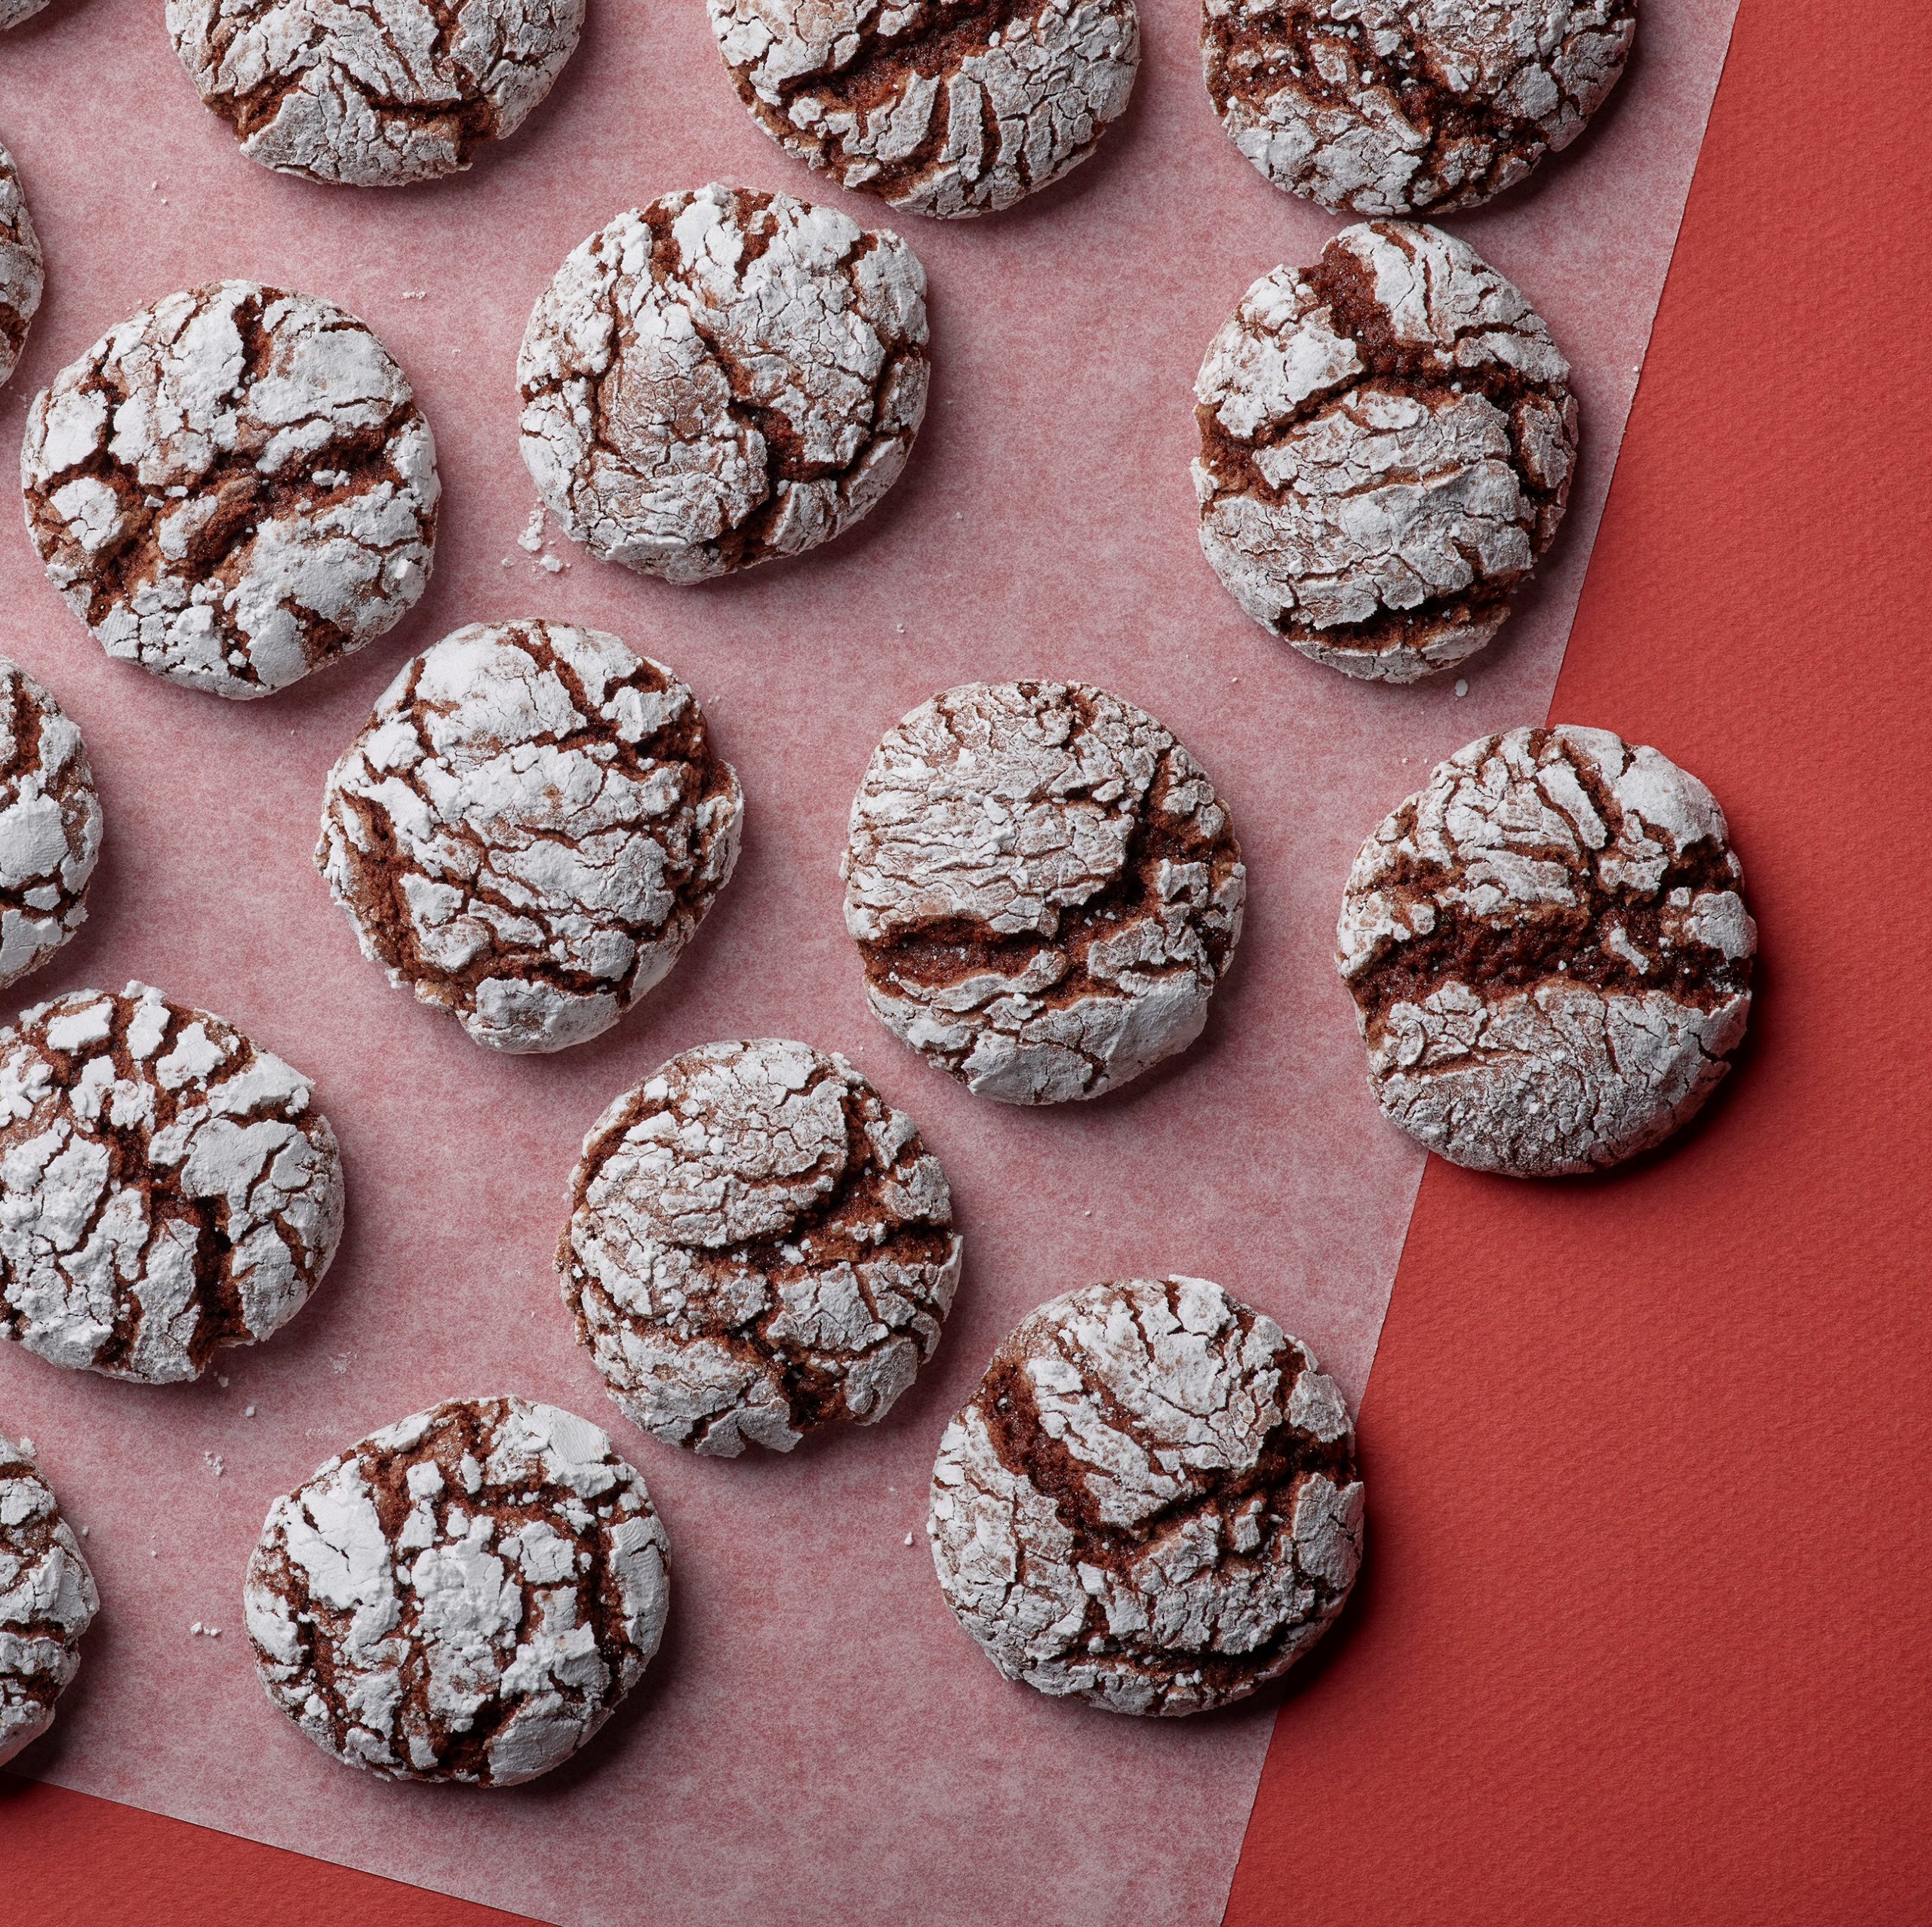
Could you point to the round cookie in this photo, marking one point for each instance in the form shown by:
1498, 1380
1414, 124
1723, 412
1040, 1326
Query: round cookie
722, 377
1387, 440
1150, 1500
529, 830
233, 487
166, 1188
1408, 106
1044, 888
466, 1595
48, 1600
49, 825
939, 106
1548, 953
374, 96
22, 275
757, 1245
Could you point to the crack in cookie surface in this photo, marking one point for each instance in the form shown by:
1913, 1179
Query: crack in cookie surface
529, 830
48, 1601
466, 1595
757, 1245
1149, 1502
1408, 106
166, 1188
233, 487
49, 825
1549, 952
376, 93
721, 378
1044, 888
946, 107
22, 270
1387, 442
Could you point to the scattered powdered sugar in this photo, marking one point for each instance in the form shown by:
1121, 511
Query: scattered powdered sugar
49, 825
757, 1245
48, 1600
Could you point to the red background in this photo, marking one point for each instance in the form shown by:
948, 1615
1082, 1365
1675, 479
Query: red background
1643, 1635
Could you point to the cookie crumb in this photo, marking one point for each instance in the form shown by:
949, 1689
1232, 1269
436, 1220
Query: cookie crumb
1462, 687
552, 565
532, 540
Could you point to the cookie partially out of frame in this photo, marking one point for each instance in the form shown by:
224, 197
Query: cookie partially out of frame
48, 1601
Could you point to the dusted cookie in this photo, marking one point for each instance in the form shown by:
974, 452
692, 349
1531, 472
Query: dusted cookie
233, 487
1386, 443
1044, 887
757, 1245
530, 830
12, 12
48, 1601
1151, 1500
1550, 958
466, 1595
165, 1187
722, 377
374, 95
20, 268
1408, 106
49, 825
942, 107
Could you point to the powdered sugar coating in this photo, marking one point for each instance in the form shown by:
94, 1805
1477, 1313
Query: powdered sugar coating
1408, 106
1150, 1500
757, 1245
22, 274
722, 377
465, 1595
529, 830
1549, 952
374, 95
944, 106
1387, 441
1044, 887
50, 824
233, 487
12, 12
48, 1601
166, 1188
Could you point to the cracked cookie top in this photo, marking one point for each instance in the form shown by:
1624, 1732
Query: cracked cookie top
233, 487
944, 106
373, 95
49, 825
166, 1188
48, 1600
1548, 952
1044, 888
759, 1245
1387, 440
466, 1595
723, 377
21, 270
1150, 1500
529, 830
1408, 106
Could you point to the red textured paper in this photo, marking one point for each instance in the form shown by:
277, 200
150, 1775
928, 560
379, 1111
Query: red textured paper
818, 1740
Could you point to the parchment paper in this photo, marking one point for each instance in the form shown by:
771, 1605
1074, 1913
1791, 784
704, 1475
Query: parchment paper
818, 1741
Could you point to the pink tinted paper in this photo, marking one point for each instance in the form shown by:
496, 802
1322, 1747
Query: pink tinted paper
818, 1741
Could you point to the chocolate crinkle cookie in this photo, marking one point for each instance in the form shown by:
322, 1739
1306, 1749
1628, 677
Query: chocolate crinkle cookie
466, 1595
48, 1600
12, 12
22, 273
1044, 887
721, 378
1387, 440
375, 95
942, 107
1150, 1500
49, 825
166, 1188
233, 487
759, 1245
530, 830
1409, 106
1548, 952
